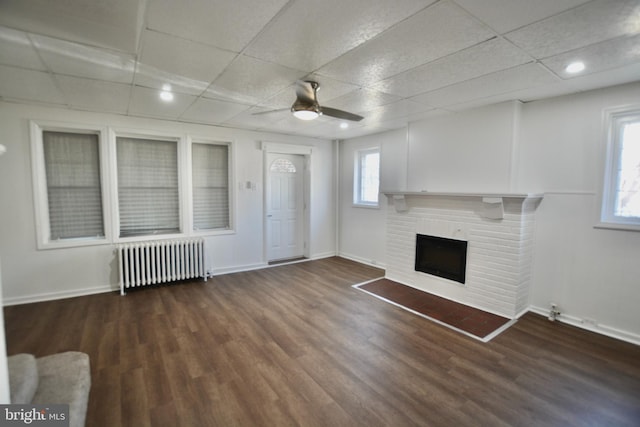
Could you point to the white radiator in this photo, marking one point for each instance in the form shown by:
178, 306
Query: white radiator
160, 261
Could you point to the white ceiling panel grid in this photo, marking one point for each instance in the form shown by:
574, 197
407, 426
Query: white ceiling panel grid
391, 61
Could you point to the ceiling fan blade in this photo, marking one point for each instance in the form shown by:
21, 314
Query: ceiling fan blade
306, 91
339, 114
271, 111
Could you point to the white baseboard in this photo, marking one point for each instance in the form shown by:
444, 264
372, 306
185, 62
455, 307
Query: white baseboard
323, 255
236, 269
609, 331
362, 260
50, 296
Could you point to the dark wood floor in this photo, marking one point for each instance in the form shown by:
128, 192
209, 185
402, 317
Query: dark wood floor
296, 345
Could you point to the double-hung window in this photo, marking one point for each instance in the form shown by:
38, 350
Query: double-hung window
621, 193
366, 177
210, 186
69, 185
148, 186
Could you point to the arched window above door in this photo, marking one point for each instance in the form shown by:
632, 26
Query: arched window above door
282, 165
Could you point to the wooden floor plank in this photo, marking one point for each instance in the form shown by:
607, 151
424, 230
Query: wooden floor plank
297, 345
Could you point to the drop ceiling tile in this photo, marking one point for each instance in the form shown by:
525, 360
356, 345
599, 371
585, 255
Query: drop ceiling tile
502, 82
212, 111
597, 57
338, 26
222, 23
491, 56
250, 81
113, 24
621, 75
290, 124
437, 31
16, 50
95, 95
283, 99
78, 60
29, 85
248, 118
187, 65
146, 102
361, 100
590, 23
154, 78
508, 15
396, 110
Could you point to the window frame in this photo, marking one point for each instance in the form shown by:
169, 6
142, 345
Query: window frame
357, 177
114, 133
189, 186
613, 121
109, 182
40, 193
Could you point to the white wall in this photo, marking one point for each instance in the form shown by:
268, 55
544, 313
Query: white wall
30, 274
592, 274
555, 146
362, 230
466, 152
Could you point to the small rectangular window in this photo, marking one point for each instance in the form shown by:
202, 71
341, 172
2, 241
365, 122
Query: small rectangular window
367, 177
210, 177
148, 188
74, 196
621, 195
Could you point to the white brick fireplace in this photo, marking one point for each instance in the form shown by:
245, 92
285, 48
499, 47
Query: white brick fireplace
499, 231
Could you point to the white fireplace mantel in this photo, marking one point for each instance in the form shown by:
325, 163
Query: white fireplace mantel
394, 193
493, 202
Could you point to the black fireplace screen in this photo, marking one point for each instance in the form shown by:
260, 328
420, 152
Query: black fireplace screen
441, 257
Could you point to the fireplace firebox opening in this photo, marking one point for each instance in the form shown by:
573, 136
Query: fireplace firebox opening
441, 257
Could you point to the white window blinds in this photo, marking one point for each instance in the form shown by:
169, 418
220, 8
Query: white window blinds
147, 186
74, 195
210, 166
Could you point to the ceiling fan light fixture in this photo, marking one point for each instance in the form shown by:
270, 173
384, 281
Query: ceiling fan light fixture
306, 114
305, 111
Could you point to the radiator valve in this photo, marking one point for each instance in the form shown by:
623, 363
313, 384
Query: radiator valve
553, 313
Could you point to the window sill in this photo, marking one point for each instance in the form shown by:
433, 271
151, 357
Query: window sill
617, 226
72, 243
358, 205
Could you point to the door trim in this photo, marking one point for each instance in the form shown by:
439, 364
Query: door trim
306, 152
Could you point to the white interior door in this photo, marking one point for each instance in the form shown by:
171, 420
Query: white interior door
285, 206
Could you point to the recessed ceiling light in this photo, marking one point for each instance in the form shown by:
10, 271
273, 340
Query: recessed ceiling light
344, 125
575, 67
166, 96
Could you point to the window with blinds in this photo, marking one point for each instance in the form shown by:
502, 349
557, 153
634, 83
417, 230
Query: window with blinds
74, 196
210, 177
148, 194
